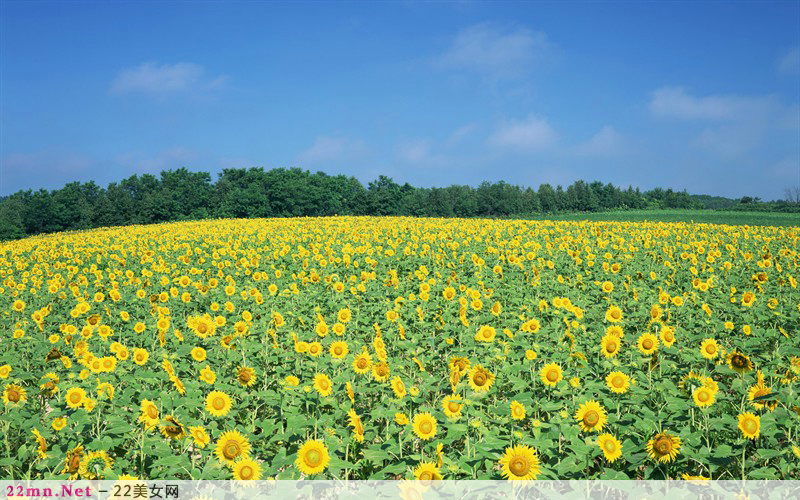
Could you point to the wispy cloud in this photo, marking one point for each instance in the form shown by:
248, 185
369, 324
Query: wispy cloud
168, 159
531, 134
675, 102
152, 78
460, 134
606, 142
499, 51
333, 149
789, 63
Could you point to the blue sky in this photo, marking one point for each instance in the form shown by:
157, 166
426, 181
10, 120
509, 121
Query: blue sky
697, 95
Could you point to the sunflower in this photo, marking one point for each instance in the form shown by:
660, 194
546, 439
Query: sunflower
648, 343
427, 471
401, 419
171, 429
608, 287
354, 421
312, 457
41, 450
207, 375
610, 345
452, 406
667, 335
140, 356
459, 364
760, 390
748, 299
245, 376
149, 416
14, 395
59, 423
380, 371
591, 416
739, 362
664, 447
517, 410
322, 384
703, 396
520, 462
232, 446
339, 350
5, 371
314, 349
200, 436
709, 348
750, 425
618, 382
246, 469
480, 379
612, 448
614, 314
551, 374
485, 334
94, 464
198, 354
218, 403
398, 387
615, 330
362, 363
72, 463
424, 426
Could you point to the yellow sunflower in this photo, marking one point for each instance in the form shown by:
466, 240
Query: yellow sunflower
520, 462
664, 447
75, 397
95, 464
171, 429
760, 390
667, 335
614, 314
14, 395
648, 343
610, 345
424, 426
485, 334
591, 416
380, 371
322, 384
218, 403
72, 463
551, 374
517, 410
339, 350
398, 387
709, 348
232, 446
200, 436
452, 406
739, 362
246, 376
427, 471
703, 396
618, 382
480, 379
750, 425
312, 457
612, 448
246, 469
149, 416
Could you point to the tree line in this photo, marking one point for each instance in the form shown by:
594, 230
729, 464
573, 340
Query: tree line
180, 194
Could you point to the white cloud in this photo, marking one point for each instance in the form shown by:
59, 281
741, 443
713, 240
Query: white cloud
416, 151
533, 133
333, 149
152, 78
460, 134
500, 51
605, 142
674, 102
168, 159
789, 64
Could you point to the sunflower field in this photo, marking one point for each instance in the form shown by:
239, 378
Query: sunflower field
400, 348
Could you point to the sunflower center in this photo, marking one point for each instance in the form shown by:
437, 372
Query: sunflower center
703, 396
669, 337
13, 395
453, 406
647, 343
218, 403
479, 379
711, 349
615, 314
738, 361
323, 384
74, 463
202, 328
244, 377
750, 426
612, 346
246, 472
361, 363
519, 466
664, 445
618, 381
426, 427
337, 350
552, 375
313, 458
610, 446
383, 370
152, 411
231, 450
591, 418
74, 398
426, 476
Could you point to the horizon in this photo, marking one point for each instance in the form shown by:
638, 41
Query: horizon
702, 97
